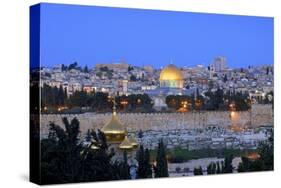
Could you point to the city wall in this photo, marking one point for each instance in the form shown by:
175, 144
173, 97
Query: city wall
261, 115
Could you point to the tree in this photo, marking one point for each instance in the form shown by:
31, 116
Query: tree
211, 168
130, 68
264, 162
63, 67
218, 171
78, 99
73, 66
86, 70
65, 95
198, 171
141, 165
140, 134
133, 78
64, 159
61, 153
148, 168
266, 152
60, 96
125, 169
227, 167
88, 137
161, 168
225, 78
99, 74
144, 167
104, 69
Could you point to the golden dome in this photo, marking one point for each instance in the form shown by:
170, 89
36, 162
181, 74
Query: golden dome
171, 72
126, 144
113, 126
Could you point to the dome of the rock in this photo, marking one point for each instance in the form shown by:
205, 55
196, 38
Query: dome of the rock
171, 77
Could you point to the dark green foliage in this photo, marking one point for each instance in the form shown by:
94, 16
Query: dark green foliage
88, 137
148, 167
65, 160
104, 69
161, 168
144, 169
264, 163
175, 101
136, 102
130, 68
133, 78
217, 100
266, 151
52, 96
64, 67
73, 66
212, 168
218, 168
79, 98
61, 154
124, 168
198, 171
86, 70
227, 165
179, 155
99, 101
225, 78
140, 134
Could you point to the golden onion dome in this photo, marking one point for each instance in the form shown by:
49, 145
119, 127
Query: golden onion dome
171, 72
114, 126
126, 144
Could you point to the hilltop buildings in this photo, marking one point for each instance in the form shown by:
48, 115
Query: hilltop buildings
124, 79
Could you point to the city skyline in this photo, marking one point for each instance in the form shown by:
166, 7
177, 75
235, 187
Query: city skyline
150, 37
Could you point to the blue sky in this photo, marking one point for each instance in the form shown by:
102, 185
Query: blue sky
91, 35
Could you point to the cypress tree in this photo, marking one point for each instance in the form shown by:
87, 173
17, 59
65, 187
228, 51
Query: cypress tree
148, 170
227, 168
198, 171
125, 169
144, 167
140, 159
209, 169
88, 136
214, 168
161, 169
60, 96
218, 168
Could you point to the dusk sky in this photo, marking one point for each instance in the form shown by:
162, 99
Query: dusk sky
91, 35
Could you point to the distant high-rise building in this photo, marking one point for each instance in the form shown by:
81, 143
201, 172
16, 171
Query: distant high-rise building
219, 64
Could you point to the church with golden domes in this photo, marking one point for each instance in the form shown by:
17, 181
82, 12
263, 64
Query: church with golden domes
117, 137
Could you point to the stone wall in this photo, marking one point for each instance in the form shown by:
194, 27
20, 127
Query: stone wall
261, 116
